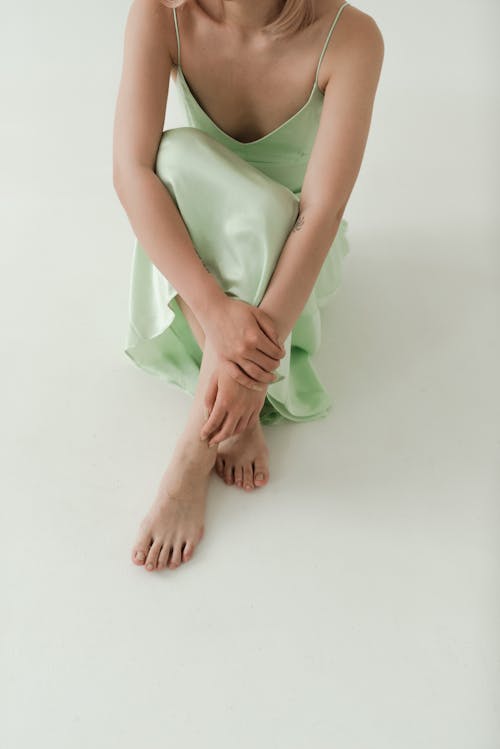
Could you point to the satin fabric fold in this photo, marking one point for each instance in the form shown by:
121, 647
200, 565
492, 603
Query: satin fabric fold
238, 218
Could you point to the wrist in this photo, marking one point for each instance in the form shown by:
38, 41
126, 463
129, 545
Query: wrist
283, 327
209, 302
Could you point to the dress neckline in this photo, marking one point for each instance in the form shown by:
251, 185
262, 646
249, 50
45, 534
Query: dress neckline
315, 89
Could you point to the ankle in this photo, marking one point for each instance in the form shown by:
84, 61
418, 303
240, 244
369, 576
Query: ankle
195, 452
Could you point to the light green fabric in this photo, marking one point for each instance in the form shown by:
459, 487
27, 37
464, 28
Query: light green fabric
239, 201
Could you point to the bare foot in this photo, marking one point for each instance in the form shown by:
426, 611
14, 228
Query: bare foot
175, 523
244, 459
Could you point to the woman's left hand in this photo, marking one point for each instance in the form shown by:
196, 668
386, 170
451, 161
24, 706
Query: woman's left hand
232, 407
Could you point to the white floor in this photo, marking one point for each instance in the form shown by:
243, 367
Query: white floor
352, 603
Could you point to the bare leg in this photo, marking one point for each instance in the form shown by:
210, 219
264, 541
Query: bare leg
175, 523
243, 459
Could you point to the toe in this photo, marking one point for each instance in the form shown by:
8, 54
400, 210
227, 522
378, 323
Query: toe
228, 473
141, 549
238, 475
248, 476
152, 558
260, 473
164, 555
187, 551
219, 466
176, 557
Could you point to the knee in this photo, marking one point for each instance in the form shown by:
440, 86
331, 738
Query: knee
176, 150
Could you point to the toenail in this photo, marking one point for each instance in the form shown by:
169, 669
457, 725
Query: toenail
139, 555
260, 476
150, 566
248, 486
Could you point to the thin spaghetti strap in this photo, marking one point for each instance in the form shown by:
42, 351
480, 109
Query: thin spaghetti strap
328, 39
178, 40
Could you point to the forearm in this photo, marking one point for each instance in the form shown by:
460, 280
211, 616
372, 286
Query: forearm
298, 267
160, 230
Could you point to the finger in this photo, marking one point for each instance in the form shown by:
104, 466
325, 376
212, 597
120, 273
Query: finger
245, 421
269, 363
240, 425
214, 421
256, 372
268, 347
227, 430
269, 328
211, 391
242, 378
253, 419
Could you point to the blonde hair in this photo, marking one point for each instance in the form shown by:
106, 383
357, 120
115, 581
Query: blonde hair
294, 16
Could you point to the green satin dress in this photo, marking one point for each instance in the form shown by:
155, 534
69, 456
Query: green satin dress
239, 201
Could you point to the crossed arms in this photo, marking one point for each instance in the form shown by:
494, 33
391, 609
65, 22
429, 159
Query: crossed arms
250, 348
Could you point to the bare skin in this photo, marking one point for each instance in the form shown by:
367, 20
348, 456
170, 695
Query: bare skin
243, 459
174, 525
348, 78
252, 102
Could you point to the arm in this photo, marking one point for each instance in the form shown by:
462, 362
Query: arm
138, 126
331, 172
154, 217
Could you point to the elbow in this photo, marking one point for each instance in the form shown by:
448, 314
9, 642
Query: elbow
124, 174
340, 212
119, 177
324, 213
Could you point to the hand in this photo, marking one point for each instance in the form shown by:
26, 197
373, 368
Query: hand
247, 338
232, 407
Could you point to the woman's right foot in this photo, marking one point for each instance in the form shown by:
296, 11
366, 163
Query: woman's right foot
175, 523
243, 459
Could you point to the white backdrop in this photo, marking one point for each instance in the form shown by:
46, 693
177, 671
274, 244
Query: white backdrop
354, 601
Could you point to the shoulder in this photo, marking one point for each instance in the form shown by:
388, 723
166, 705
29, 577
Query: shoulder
151, 23
355, 30
359, 31
356, 48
